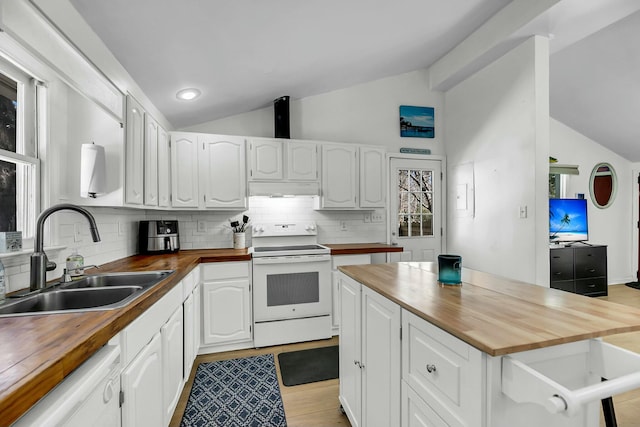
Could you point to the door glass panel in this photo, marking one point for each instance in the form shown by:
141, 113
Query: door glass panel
415, 203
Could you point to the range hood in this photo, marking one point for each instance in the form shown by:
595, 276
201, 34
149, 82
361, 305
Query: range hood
283, 189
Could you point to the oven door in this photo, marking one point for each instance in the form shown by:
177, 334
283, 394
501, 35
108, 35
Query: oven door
290, 287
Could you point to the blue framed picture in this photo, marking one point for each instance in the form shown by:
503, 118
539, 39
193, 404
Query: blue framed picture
416, 122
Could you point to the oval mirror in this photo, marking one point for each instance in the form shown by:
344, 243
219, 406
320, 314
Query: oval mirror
603, 185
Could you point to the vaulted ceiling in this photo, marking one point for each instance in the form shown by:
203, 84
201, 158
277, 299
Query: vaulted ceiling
244, 54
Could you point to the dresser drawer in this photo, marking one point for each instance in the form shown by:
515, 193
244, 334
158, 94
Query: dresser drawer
565, 285
592, 286
416, 412
561, 263
590, 262
442, 370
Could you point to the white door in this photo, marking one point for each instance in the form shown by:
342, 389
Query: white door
302, 161
372, 177
339, 176
164, 169
415, 217
134, 152
142, 385
266, 159
189, 335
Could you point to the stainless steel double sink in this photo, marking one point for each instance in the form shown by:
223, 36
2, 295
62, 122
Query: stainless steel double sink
91, 293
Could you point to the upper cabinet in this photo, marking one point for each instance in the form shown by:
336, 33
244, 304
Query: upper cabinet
353, 177
134, 153
150, 161
278, 159
222, 172
164, 169
208, 171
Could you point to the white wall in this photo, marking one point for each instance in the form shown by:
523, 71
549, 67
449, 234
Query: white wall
367, 114
610, 226
496, 121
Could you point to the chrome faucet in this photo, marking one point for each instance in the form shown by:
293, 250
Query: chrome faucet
39, 262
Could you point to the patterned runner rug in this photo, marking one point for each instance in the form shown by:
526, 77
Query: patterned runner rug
237, 392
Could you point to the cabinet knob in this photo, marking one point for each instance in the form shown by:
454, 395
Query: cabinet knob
431, 368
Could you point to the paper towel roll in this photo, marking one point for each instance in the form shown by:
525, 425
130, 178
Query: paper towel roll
92, 170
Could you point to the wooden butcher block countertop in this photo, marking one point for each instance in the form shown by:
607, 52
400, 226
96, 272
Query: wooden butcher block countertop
37, 352
361, 248
496, 315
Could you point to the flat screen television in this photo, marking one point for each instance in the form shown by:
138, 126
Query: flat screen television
568, 220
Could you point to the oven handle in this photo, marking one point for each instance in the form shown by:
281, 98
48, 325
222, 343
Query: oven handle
291, 259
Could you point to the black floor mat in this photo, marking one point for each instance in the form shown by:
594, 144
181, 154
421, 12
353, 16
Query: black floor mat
308, 366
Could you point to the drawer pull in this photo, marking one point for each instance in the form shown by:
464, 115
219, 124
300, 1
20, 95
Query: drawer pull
431, 368
591, 270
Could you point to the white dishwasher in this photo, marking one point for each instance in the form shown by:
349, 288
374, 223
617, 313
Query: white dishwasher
89, 396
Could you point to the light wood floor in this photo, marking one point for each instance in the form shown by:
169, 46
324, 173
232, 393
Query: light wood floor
626, 405
317, 404
305, 405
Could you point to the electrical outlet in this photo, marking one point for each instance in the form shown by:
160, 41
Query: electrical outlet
377, 216
343, 226
77, 237
367, 217
202, 226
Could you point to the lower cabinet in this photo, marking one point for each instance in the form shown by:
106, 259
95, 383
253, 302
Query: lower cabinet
226, 303
337, 261
142, 387
369, 356
172, 362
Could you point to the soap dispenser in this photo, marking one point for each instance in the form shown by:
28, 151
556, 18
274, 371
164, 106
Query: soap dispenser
75, 264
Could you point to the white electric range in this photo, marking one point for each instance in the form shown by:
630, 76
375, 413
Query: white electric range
291, 284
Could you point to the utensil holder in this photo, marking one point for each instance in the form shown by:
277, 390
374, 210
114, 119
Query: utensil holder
239, 241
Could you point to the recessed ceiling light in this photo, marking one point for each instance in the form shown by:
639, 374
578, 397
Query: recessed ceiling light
188, 94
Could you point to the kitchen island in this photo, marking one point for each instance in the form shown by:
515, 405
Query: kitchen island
490, 352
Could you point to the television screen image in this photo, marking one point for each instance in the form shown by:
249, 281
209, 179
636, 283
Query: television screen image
568, 220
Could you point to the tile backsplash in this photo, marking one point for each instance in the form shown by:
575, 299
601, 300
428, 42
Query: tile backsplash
118, 229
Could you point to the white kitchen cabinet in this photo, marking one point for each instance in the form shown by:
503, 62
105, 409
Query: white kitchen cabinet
142, 385
134, 153
443, 371
266, 159
184, 170
222, 172
150, 161
302, 161
337, 261
339, 179
189, 335
208, 171
172, 362
278, 159
373, 179
369, 356
226, 303
164, 168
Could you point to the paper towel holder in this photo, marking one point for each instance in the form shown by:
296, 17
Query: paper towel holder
92, 170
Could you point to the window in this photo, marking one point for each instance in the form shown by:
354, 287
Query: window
18, 163
415, 204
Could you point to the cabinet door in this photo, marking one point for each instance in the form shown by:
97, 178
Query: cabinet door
381, 360
134, 153
226, 311
416, 413
339, 176
350, 360
336, 261
164, 169
150, 161
172, 361
302, 161
184, 170
189, 335
197, 316
142, 383
372, 177
266, 159
222, 172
